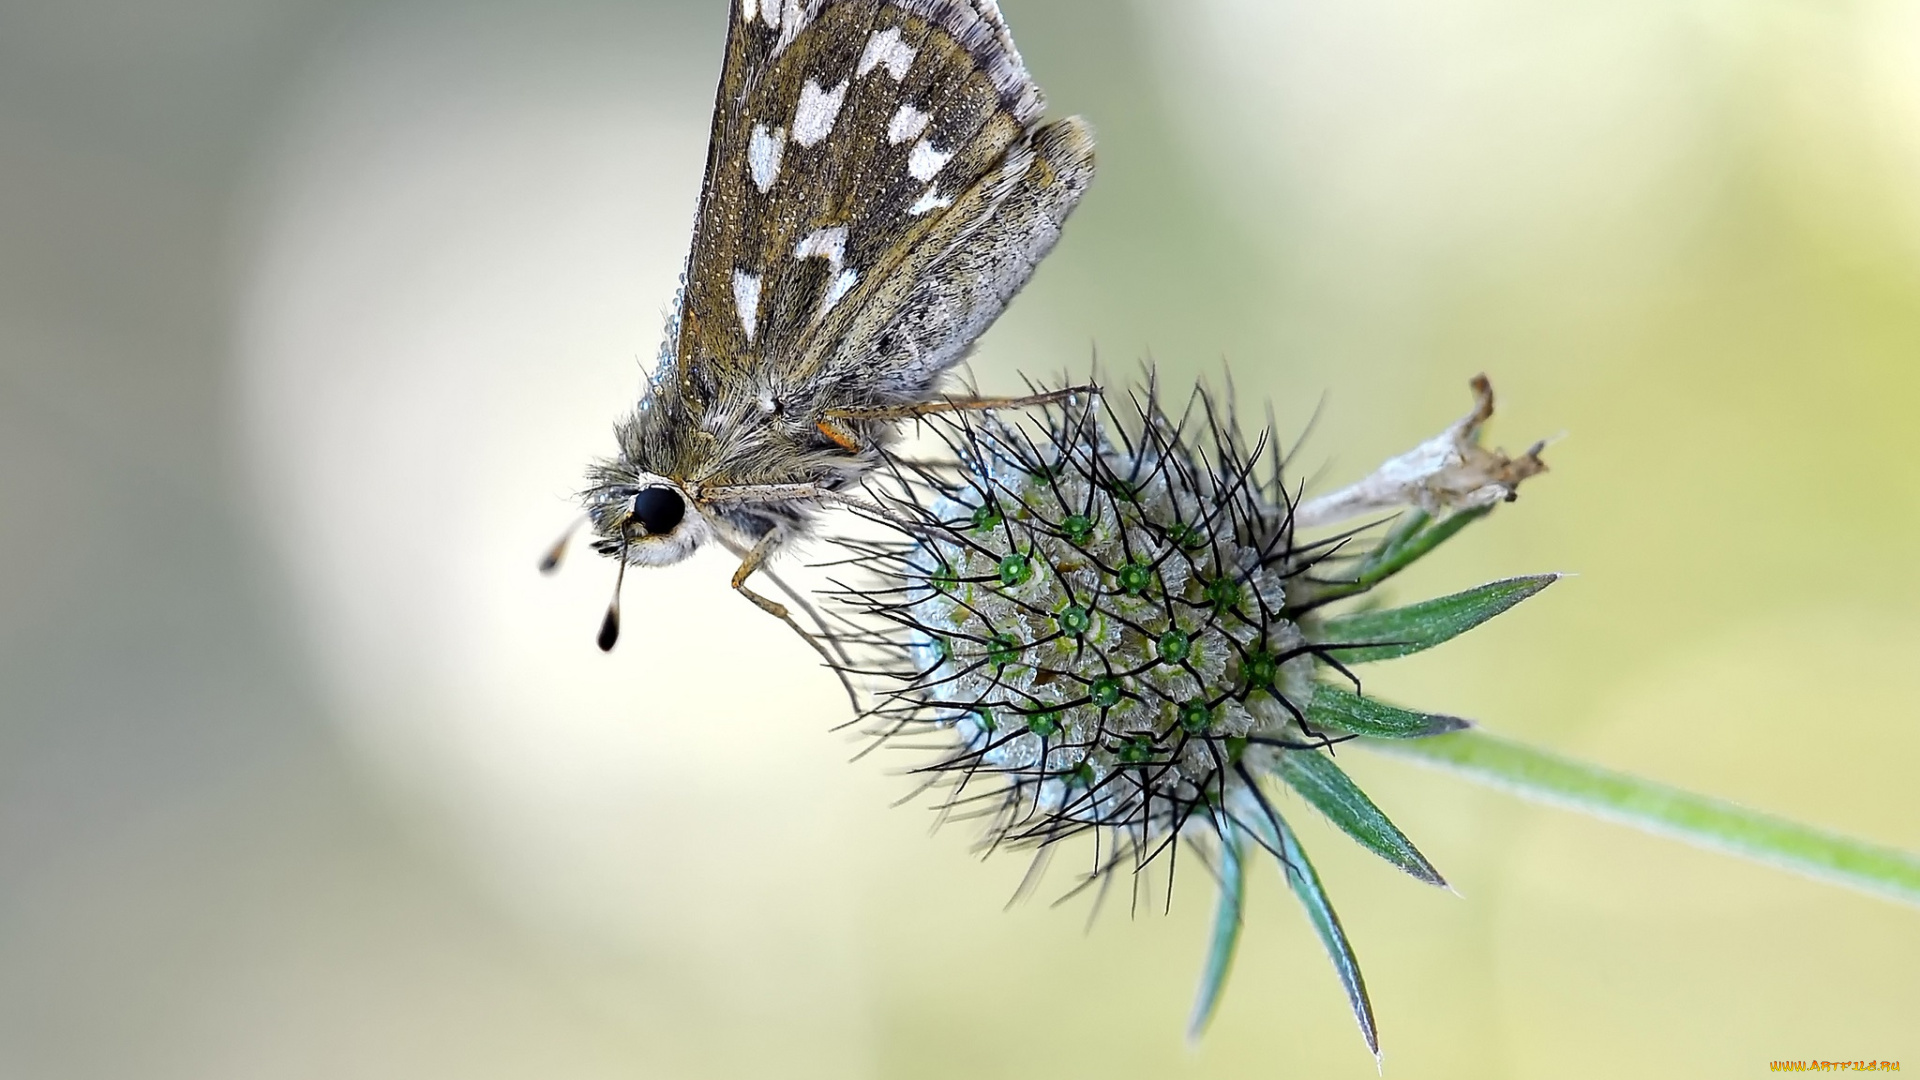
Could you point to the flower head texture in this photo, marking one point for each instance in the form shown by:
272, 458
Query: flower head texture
1107, 620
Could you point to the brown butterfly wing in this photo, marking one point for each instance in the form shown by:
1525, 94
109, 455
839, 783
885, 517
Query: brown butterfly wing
876, 190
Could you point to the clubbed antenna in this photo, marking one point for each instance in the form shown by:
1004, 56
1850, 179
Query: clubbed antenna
610, 626
550, 561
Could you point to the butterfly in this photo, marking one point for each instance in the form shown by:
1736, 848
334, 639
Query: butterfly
879, 185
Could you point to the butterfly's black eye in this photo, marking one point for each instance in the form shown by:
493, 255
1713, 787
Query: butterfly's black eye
659, 510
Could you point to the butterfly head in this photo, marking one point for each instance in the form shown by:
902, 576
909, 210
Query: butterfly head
649, 521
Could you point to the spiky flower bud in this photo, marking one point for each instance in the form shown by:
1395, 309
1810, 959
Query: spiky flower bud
1105, 623
1114, 624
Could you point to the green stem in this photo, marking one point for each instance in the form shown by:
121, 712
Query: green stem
1696, 819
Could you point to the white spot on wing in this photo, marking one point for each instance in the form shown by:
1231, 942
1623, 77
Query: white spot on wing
842, 284
906, 124
929, 200
770, 14
748, 9
764, 150
886, 48
746, 300
813, 118
925, 163
829, 244
791, 19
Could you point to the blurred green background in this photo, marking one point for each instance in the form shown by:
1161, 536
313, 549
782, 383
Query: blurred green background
311, 312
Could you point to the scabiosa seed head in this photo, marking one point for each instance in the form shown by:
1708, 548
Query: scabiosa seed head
1108, 618
1134, 596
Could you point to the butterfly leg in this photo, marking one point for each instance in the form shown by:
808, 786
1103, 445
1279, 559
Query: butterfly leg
882, 414
787, 492
755, 558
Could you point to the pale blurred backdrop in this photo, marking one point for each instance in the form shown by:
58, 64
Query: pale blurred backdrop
311, 312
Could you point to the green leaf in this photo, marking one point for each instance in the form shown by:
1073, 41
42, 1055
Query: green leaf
1340, 710
1278, 838
1226, 931
1410, 629
1667, 811
1322, 783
